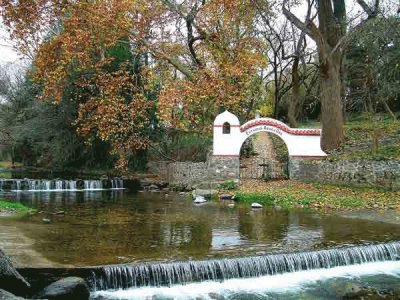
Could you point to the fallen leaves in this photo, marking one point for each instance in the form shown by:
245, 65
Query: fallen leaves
288, 193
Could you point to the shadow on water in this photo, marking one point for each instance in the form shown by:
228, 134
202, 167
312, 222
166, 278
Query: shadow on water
111, 227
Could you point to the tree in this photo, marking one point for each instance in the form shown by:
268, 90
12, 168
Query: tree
329, 37
200, 55
75, 45
331, 29
372, 71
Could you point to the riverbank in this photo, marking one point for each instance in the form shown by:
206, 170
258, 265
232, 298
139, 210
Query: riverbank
12, 208
294, 194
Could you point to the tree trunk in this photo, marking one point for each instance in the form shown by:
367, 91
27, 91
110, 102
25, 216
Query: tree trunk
331, 103
296, 102
387, 108
276, 87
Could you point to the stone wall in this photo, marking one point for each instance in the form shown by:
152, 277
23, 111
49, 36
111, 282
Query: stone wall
384, 174
189, 174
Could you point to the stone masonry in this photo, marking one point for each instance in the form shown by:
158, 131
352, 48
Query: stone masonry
385, 174
189, 174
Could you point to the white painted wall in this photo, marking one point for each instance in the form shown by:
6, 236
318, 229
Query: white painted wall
230, 144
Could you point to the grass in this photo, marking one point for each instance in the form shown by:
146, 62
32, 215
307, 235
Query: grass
8, 165
362, 131
292, 194
13, 207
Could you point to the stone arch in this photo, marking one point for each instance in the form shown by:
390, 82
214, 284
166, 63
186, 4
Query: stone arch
299, 142
268, 129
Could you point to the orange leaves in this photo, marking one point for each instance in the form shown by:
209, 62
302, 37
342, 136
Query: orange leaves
113, 118
231, 57
66, 35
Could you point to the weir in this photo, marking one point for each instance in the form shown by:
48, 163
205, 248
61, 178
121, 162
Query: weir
59, 184
173, 273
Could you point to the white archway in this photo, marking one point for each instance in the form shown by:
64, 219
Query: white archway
299, 142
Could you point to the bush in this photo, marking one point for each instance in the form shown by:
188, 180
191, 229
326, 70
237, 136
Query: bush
228, 185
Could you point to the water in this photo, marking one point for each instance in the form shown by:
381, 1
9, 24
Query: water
93, 185
167, 274
116, 227
331, 283
211, 251
46, 185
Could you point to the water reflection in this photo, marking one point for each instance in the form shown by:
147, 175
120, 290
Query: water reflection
105, 227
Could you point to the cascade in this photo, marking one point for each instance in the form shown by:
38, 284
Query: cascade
168, 274
117, 184
93, 185
36, 185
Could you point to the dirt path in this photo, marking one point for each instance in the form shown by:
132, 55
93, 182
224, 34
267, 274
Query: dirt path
264, 149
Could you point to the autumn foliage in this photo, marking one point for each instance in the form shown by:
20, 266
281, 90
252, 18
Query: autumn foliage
202, 56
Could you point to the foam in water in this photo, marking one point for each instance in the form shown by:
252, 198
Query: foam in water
45, 185
93, 185
117, 184
261, 286
168, 274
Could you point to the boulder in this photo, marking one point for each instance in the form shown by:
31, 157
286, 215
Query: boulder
226, 197
204, 193
153, 187
4, 295
199, 199
256, 205
10, 279
66, 289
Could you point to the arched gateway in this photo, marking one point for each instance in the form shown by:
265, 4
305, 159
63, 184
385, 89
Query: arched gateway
229, 136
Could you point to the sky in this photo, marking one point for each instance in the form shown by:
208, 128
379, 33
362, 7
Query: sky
7, 52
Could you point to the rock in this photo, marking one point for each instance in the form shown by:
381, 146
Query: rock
199, 199
256, 205
231, 205
66, 289
226, 197
4, 295
204, 193
45, 220
10, 279
153, 187
215, 296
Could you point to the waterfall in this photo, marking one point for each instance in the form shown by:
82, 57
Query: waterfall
59, 184
71, 185
46, 185
117, 184
167, 274
18, 185
93, 185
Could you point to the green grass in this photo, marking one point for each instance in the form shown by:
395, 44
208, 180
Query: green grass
360, 131
8, 164
14, 206
287, 199
5, 175
292, 194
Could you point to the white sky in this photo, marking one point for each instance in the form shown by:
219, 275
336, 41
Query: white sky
7, 52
